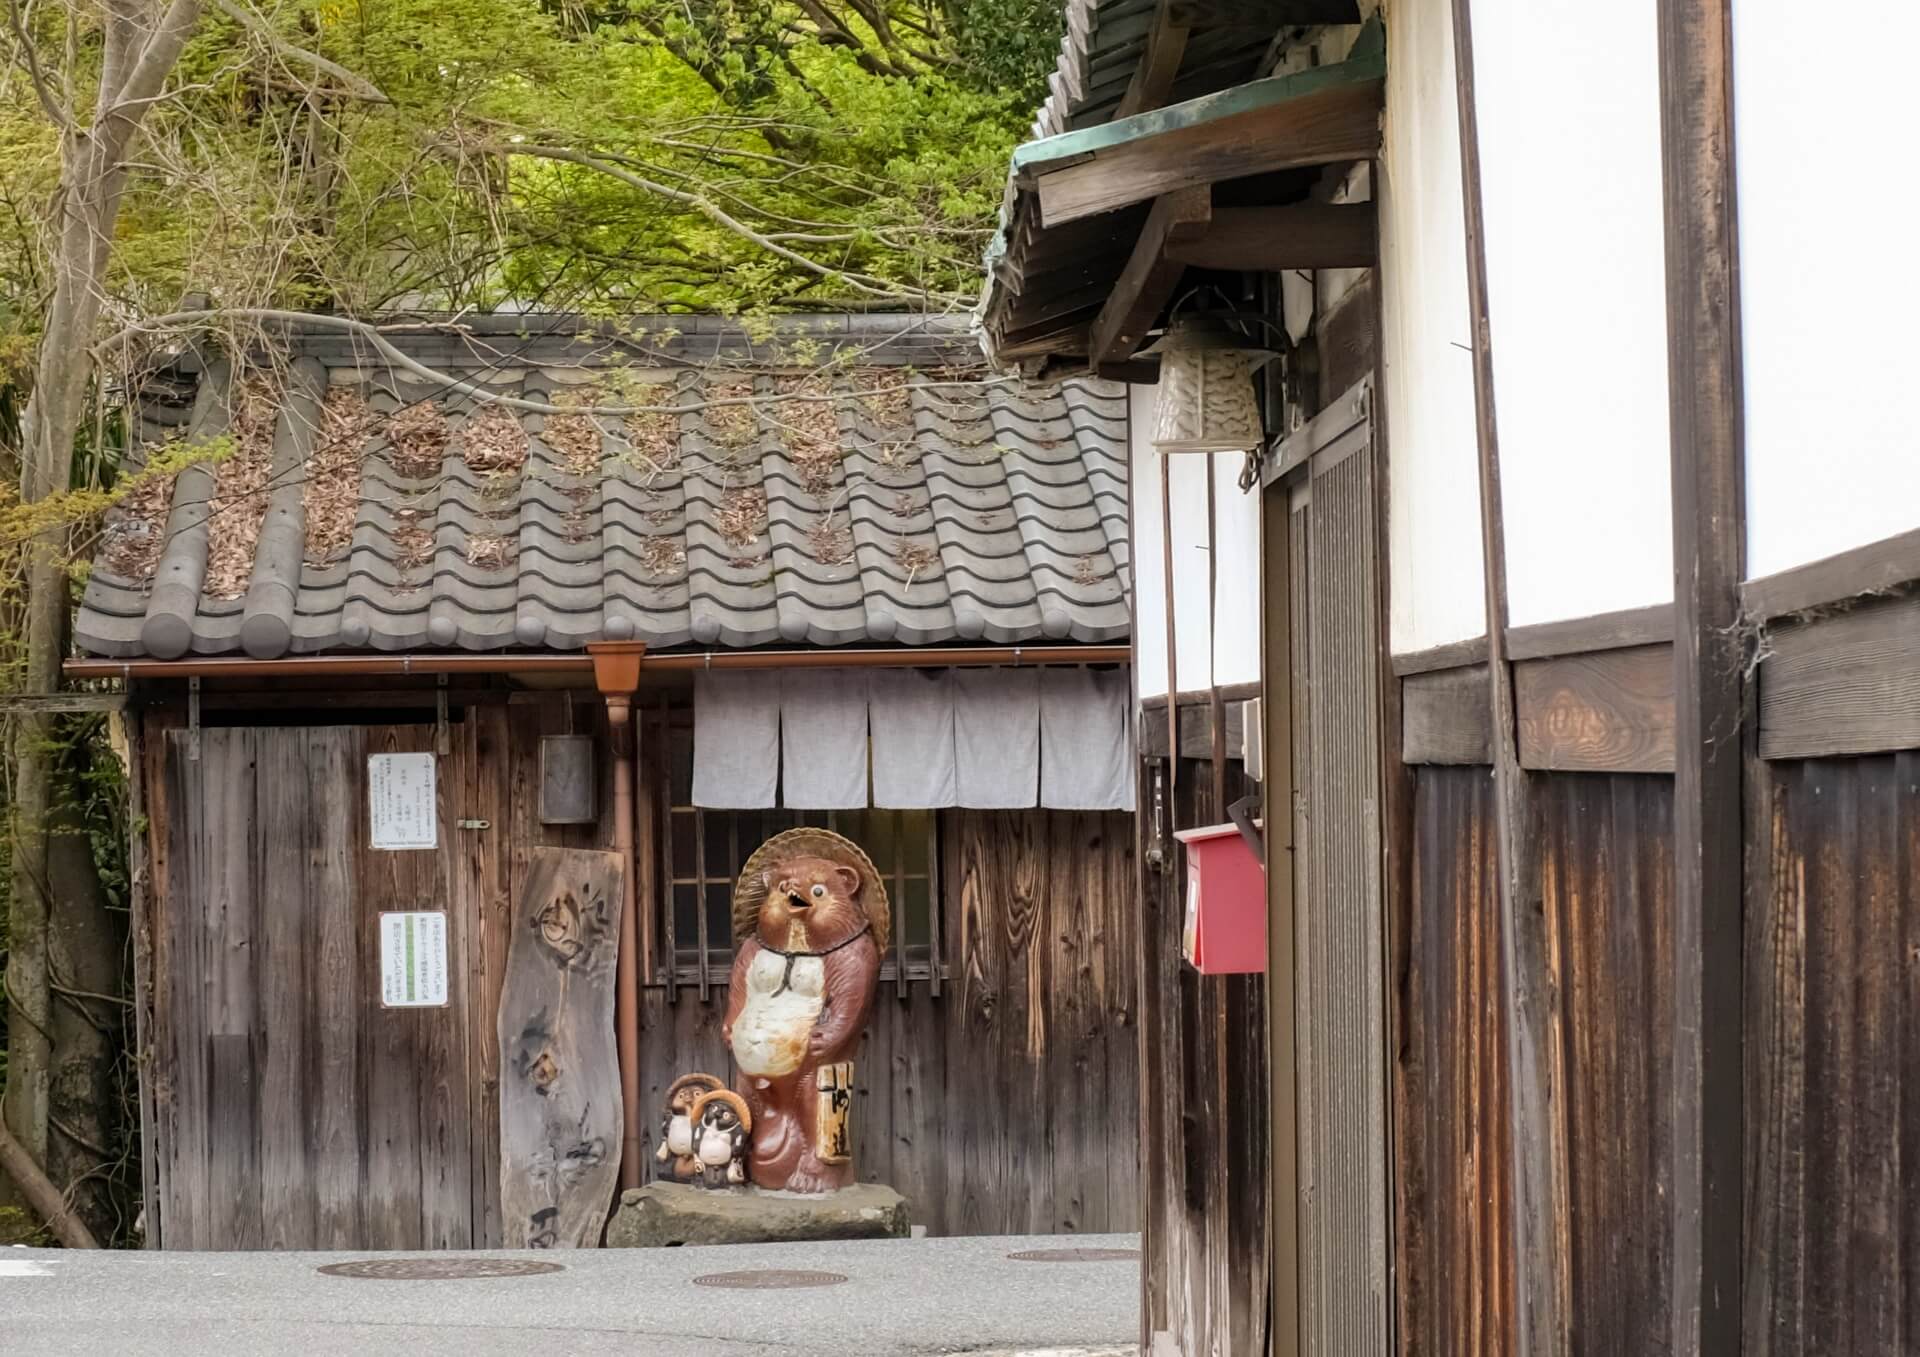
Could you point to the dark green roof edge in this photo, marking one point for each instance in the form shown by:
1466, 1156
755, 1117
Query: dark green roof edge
1366, 60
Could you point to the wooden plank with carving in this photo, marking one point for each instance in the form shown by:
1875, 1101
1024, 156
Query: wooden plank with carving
1610, 711
560, 1110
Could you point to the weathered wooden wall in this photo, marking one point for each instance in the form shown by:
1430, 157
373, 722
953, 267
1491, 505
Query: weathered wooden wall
1605, 882
293, 1111
1833, 1061
1453, 1163
1006, 1104
1204, 1112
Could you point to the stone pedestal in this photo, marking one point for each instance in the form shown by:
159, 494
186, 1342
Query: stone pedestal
662, 1214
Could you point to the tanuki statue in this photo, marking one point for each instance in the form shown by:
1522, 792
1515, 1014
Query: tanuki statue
811, 913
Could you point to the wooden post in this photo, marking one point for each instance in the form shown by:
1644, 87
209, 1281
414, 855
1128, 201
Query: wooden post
1542, 1247
1703, 366
1276, 785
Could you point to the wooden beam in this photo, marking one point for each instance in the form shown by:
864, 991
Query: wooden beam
1262, 16
1147, 282
1269, 239
1542, 1245
1312, 117
1159, 67
1703, 366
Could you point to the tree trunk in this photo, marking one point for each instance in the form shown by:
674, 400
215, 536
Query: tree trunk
52, 421
140, 50
86, 955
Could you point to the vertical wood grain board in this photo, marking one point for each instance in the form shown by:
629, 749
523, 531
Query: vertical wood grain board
1451, 1151
1203, 1164
1833, 1064
293, 1111
560, 1109
1606, 864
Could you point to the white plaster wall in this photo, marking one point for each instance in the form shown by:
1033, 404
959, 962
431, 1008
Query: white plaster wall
1829, 280
1434, 533
1568, 107
1236, 607
1224, 653
1149, 588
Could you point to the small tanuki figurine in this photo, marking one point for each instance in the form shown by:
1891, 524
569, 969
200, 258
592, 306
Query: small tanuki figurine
811, 914
721, 1124
676, 1150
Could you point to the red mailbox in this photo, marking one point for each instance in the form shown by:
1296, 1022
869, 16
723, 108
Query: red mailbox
1226, 928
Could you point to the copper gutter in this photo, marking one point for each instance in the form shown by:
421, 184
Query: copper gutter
616, 672
508, 663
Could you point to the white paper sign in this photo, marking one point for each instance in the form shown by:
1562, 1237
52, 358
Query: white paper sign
400, 801
413, 960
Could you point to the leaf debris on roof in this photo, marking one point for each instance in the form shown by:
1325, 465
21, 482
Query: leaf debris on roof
492, 441
831, 540
240, 487
734, 426
489, 550
330, 499
418, 433
136, 538
742, 515
811, 431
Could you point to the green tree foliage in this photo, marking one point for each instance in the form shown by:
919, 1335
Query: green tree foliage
636, 155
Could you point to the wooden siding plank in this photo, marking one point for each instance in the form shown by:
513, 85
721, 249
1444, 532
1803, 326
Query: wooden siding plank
233, 1091
1848, 684
1601, 631
335, 763
1607, 711
1455, 1282
282, 818
1875, 568
482, 893
1444, 717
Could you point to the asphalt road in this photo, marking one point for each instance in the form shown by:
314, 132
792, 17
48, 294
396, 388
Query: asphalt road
901, 1296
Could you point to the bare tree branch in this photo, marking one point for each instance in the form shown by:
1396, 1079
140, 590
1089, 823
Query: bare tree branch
452, 385
30, 57
357, 86
860, 282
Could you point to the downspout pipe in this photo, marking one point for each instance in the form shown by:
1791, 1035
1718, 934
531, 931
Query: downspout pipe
616, 672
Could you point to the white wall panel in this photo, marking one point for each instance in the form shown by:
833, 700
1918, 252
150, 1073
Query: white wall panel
1434, 533
1829, 280
1236, 609
1568, 106
1143, 507
1228, 651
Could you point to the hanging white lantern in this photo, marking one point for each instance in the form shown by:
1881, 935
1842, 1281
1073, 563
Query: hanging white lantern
1205, 401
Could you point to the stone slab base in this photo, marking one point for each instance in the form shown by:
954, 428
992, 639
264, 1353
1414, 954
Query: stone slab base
662, 1214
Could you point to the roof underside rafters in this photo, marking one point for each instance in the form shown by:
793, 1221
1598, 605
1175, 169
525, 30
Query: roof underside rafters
1153, 102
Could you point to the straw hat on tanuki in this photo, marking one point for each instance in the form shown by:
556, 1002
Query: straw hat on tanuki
807, 842
731, 1099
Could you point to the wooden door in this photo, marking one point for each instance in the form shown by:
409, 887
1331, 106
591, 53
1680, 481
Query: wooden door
294, 1108
1333, 620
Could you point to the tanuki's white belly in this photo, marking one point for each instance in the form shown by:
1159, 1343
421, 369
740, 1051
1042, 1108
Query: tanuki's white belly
770, 1035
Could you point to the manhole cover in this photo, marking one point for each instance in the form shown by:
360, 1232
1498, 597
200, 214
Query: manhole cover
769, 1279
1076, 1256
438, 1269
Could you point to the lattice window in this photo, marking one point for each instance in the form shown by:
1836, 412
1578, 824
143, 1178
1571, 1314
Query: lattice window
702, 851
